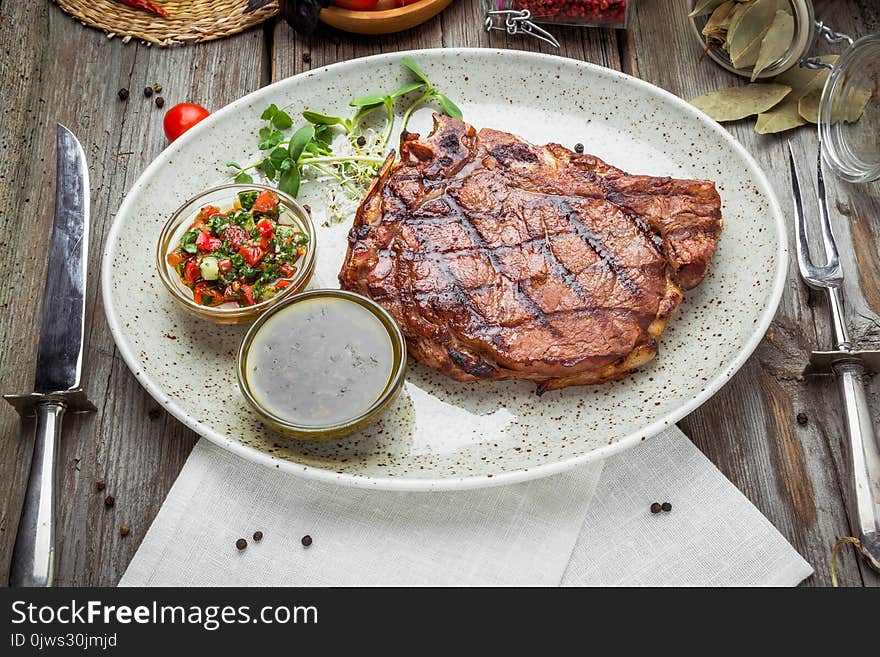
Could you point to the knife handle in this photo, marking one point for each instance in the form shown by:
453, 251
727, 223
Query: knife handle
33, 557
864, 460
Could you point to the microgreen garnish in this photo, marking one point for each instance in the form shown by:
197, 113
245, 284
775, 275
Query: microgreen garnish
357, 157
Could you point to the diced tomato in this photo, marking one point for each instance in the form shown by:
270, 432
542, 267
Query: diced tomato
265, 228
199, 223
191, 272
209, 211
280, 285
251, 254
235, 235
266, 202
204, 242
206, 296
177, 257
247, 294
224, 265
264, 243
286, 270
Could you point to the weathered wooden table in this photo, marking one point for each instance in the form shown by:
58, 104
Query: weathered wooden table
53, 69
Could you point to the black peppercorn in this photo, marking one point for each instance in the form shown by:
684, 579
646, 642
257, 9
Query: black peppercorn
361, 141
802, 419
306, 540
655, 507
148, 91
123, 94
109, 501
258, 536
578, 148
666, 506
100, 485
160, 102
241, 544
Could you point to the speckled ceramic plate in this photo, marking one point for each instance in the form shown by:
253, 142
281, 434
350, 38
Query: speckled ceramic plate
441, 434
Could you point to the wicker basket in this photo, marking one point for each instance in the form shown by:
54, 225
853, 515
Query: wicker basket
189, 21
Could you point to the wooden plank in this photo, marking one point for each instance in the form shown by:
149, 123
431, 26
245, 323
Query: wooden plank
130, 443
794, 474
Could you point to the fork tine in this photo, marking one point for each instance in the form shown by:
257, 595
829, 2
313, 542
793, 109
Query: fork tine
831, 255
800, 233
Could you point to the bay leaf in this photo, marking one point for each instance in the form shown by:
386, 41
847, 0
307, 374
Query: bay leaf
716, 27
850, 112
856, 104
803, 80
745, 40
808, 105
776, 41
703, 7
737, 103
783, 116
736, 16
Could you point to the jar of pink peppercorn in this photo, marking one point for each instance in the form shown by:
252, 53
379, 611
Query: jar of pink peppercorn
522, 16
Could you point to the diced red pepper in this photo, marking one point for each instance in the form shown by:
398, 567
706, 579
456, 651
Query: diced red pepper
280, 285
177, 257
265, 228
204, 242
191, 272
251, 254
266, 202
235, 235
248, 295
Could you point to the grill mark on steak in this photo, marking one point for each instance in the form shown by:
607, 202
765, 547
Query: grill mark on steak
522, 296
593, 241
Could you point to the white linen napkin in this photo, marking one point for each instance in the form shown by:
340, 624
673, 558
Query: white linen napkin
547, 532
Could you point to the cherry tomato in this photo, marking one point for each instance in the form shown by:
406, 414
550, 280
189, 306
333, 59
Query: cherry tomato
181, 118
404, 3
384, 5
357, 5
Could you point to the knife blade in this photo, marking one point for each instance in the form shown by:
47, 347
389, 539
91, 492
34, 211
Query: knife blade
58, 379
60, 351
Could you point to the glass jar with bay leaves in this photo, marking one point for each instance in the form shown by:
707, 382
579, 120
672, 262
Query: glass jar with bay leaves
754, 38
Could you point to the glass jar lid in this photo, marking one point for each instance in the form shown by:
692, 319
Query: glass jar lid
849, 113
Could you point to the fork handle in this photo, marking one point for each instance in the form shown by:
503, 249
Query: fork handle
863, 460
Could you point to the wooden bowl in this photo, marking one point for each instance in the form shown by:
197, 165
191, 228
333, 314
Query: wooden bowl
382, 22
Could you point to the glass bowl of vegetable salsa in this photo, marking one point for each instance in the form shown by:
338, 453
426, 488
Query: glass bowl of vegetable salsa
233, 251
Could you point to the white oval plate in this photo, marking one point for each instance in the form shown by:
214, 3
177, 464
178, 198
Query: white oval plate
441, 434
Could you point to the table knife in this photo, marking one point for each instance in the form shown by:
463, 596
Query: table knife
58, 380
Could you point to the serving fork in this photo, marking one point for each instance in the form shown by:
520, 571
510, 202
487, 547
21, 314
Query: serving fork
848, 365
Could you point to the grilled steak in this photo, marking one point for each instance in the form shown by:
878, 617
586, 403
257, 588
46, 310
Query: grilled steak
505, 260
